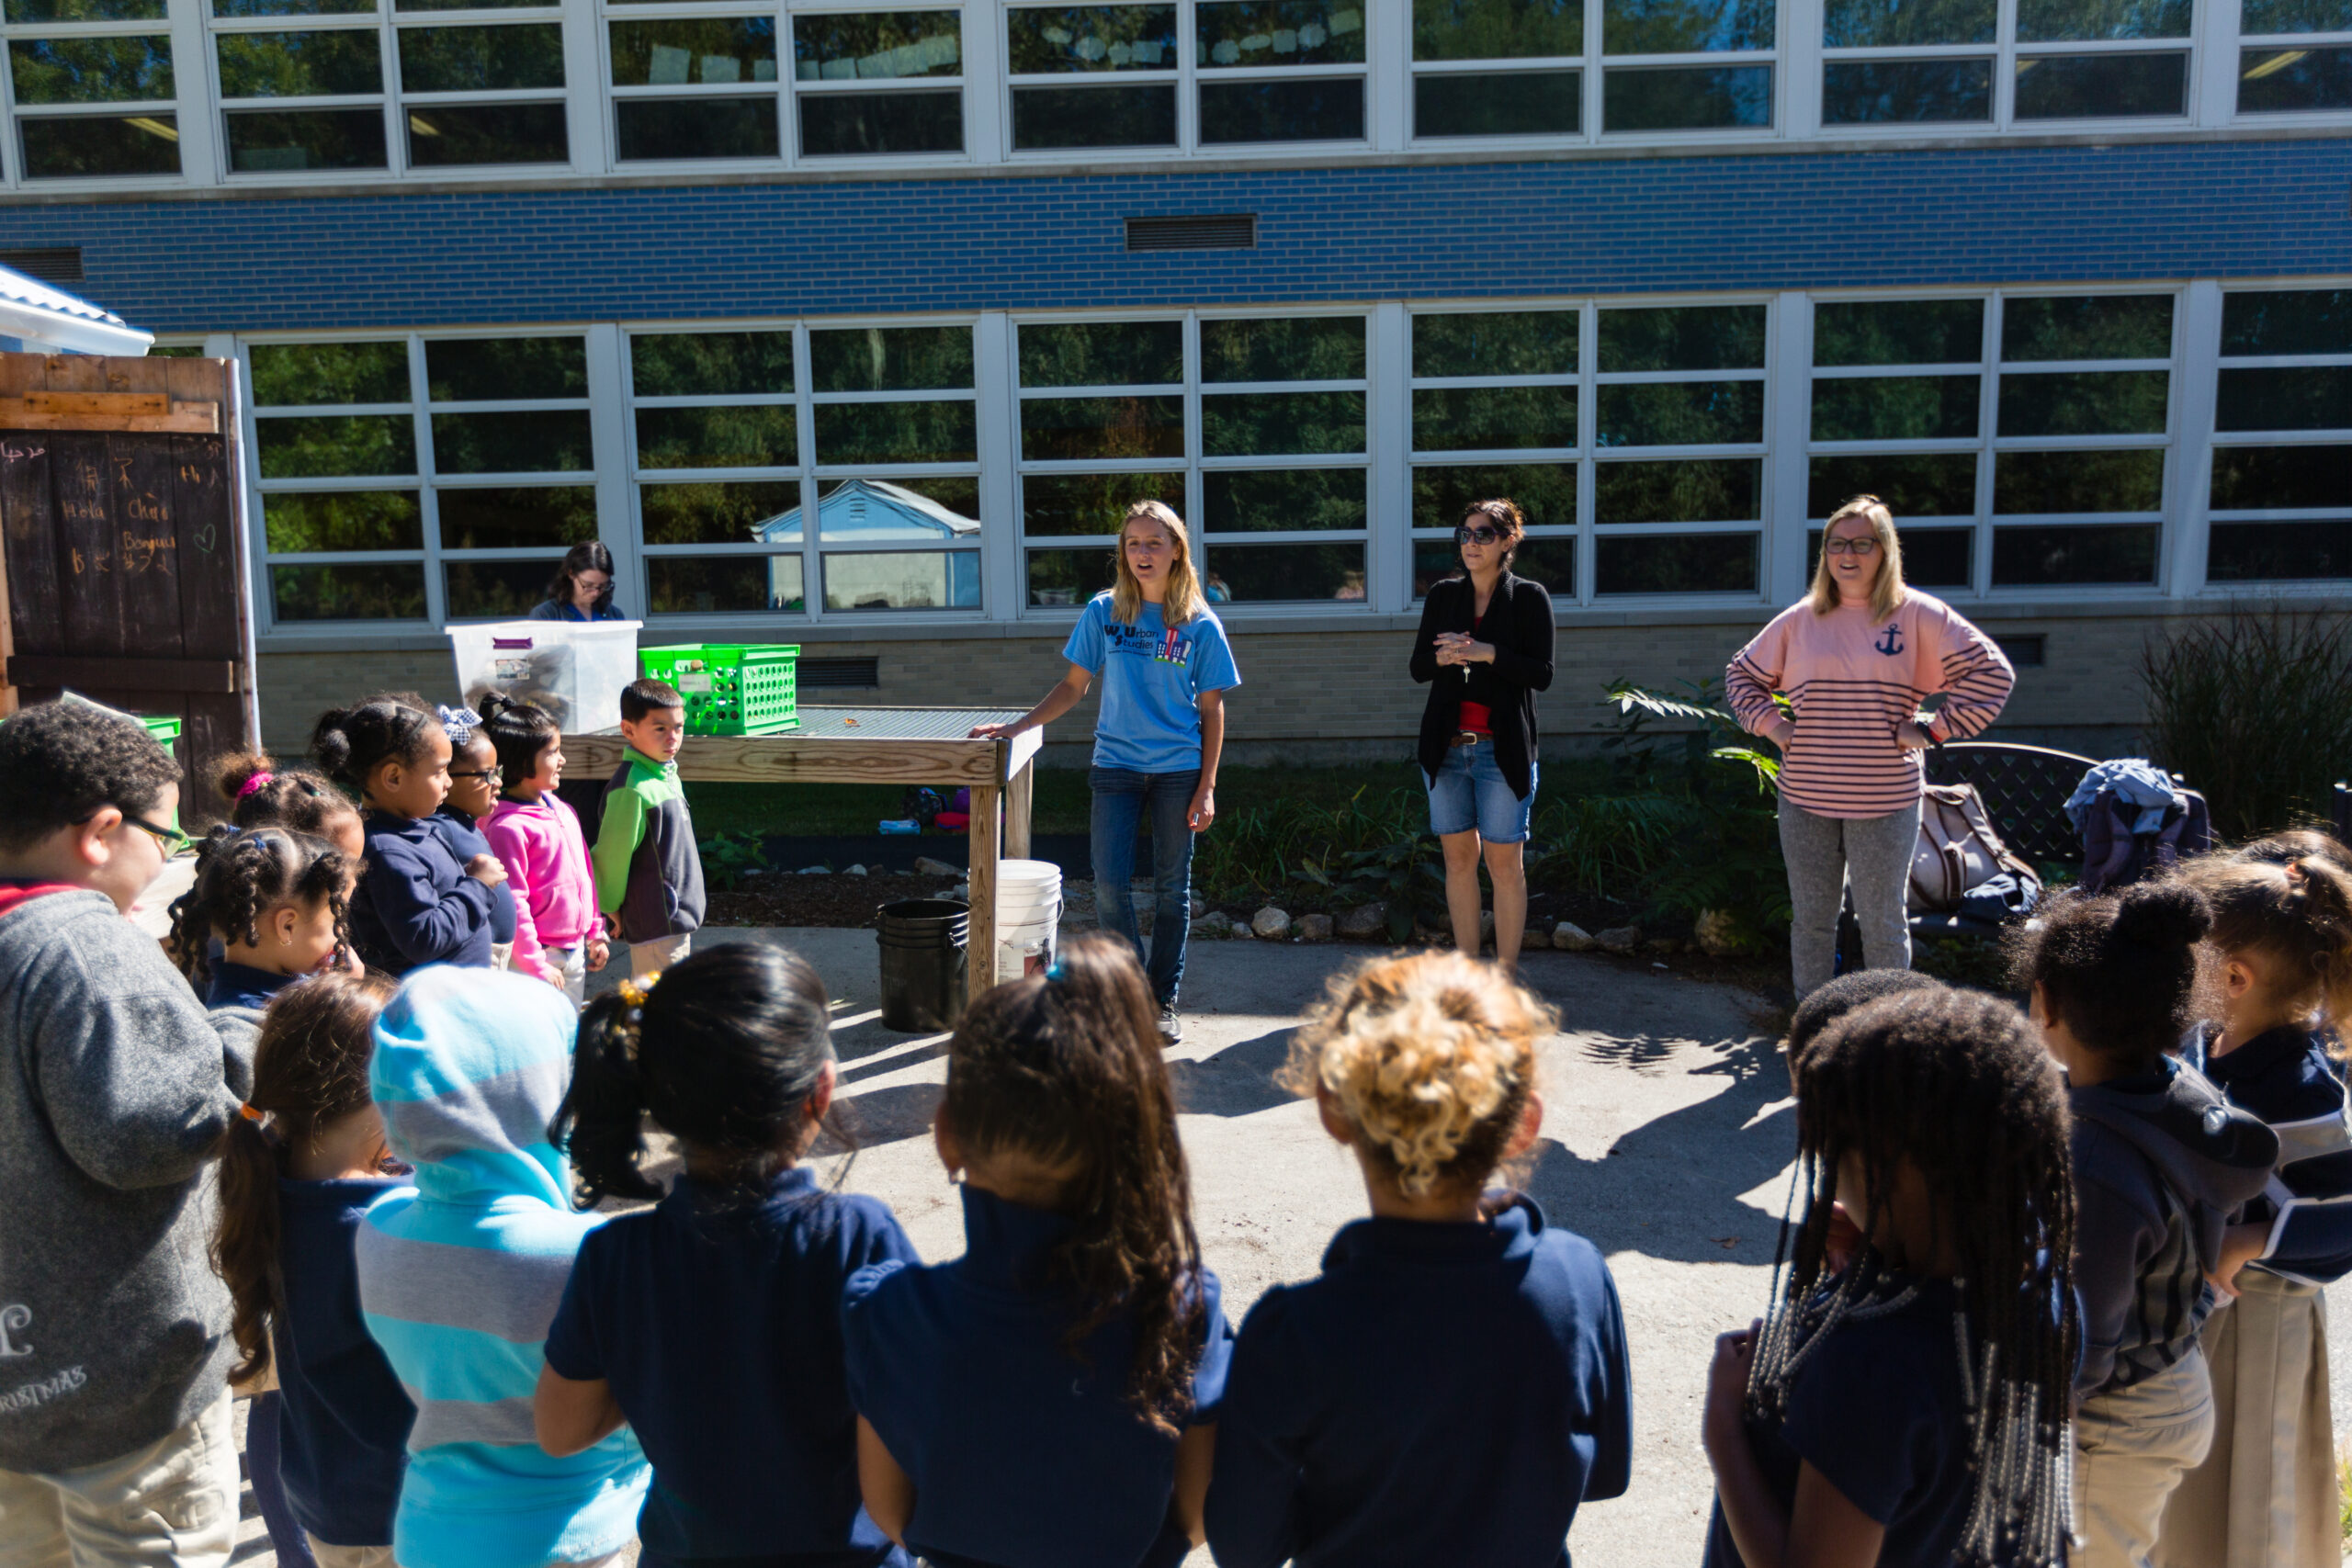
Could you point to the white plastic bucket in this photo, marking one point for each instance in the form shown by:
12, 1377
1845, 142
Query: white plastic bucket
1028, 914
574, 669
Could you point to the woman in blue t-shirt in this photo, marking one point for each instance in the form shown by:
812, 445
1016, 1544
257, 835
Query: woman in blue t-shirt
1048, 1400
710, 1323
1166, 667
1910, 1409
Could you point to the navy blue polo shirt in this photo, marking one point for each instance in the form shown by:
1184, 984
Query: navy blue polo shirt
1021, 1455
343, 1416
1876, 1408
718, 1324
243, 986
1442, 1394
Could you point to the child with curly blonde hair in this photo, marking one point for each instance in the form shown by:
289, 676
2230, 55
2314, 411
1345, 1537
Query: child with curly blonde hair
1505, 1330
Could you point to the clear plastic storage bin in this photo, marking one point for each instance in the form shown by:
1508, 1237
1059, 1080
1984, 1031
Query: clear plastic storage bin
574, 669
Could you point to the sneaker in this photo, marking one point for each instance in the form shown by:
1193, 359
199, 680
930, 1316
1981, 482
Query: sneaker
1171, 1027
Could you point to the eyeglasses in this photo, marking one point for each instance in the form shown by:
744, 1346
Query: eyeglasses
487, 775
1849, 547
171, 838
1477, 536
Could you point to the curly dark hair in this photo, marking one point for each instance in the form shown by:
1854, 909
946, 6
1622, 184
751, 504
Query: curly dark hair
1956, 1085
2290, 899
351, 743
310, 1071
61, 762
1066, 1067
1824, 1005
2123, 971
288, 796
241, 874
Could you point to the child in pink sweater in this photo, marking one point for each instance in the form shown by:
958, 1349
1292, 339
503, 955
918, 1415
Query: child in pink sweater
558, 935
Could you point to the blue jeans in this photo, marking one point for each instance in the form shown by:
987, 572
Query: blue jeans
1120, 798
1469, 791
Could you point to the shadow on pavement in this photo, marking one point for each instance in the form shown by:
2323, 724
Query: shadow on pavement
1670, 1188
1236, 1081
887, 1115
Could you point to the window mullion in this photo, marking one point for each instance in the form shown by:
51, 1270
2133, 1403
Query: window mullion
2189, 476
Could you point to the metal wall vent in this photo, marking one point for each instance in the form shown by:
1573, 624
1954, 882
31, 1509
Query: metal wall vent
837, 674
58, 267
1217, 231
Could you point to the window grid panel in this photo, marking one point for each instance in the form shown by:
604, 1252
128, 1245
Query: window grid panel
2312, 497
2005, 53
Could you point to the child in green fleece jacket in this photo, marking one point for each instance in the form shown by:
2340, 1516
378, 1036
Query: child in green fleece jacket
115, 1441
649, 873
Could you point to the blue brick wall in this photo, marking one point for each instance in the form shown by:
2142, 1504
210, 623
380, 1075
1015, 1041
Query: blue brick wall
2236, 209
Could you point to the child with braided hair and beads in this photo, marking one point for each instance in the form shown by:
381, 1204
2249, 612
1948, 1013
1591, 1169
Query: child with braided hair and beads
1501, 1331
1911, 1409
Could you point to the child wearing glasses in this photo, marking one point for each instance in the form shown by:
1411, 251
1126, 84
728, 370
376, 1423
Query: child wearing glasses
114, 1328
474, 778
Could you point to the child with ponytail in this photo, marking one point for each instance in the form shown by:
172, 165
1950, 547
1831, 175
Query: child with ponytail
2264, 1497
417, 902
1048, 1399
297, 1171
710, 1323
1455, 1382
277, 902
1909, 1409
2161, 1162
256, 791
558, 933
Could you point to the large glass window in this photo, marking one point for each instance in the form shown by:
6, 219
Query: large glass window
1914, 62
896, 467
1498, 68
879, 83
2021, 441
1279, 70
2279, 507
1089, 77
94, 88
385, 499
687, 87
2295, 56
1687, 64
1268, 474
1494, 414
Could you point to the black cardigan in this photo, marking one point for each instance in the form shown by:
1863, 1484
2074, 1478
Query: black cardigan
1519, 623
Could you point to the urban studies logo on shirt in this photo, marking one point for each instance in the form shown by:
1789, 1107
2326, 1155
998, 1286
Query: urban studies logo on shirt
1165, 647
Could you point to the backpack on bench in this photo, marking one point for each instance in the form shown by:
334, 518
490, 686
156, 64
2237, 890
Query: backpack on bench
1961, 865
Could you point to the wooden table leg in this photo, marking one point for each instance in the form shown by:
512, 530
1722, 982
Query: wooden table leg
1017, 793
980, 943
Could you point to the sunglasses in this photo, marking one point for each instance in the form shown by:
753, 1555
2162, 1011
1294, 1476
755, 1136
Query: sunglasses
1477, 535
171, 838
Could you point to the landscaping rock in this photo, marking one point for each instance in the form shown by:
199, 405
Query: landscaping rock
1486, 927
1425, 935
1718, 933
853, 871
1662, 944
816, 871
1270, 924
1214, 924
1365, 922
1618, 938
1200, 906
1571, 937
926, 866
1315, 927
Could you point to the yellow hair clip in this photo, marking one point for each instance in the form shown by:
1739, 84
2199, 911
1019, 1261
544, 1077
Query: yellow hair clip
633, 990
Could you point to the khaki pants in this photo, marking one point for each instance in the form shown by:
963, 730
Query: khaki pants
2264, 1497
2131, 1447
170, 1505
644, 957
351, 1556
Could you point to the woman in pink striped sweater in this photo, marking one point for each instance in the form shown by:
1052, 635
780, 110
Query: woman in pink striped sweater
558, 935
1854, 658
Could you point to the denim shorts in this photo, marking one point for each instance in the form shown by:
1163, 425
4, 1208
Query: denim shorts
1469, 791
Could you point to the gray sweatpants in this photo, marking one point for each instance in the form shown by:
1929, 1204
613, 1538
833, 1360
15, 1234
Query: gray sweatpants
1822, 852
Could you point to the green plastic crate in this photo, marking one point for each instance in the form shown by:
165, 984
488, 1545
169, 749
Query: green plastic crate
732, 688
165, 728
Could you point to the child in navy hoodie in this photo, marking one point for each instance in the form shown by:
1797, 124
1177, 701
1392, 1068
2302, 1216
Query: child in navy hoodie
1046, 1400
2162, 1161
474, 776
1502, 1332
417, 902
711, 1322
293, 1186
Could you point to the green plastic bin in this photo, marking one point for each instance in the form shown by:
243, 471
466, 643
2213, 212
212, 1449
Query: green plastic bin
732, 688
166, 728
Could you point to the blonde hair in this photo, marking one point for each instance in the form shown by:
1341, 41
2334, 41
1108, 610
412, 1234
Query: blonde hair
1887, 593
1431, 1058
1186, 599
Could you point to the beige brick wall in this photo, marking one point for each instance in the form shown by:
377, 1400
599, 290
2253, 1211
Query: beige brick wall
1319, 696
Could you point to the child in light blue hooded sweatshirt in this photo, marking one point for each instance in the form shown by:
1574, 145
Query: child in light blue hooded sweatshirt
460, 1274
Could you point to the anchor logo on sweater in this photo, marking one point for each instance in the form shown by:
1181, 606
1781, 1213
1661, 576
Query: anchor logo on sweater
1891, 643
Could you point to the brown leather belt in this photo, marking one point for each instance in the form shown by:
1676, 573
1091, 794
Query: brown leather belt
1466, 738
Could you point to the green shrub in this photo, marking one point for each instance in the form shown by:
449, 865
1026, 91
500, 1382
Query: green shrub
2255, 710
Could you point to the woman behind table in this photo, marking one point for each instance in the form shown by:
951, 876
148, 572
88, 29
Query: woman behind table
1854, 658
583, 588
1166, 667
1484, 650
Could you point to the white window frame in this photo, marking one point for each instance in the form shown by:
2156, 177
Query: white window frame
1178, 78
2339, 439
195, 149
2235, 69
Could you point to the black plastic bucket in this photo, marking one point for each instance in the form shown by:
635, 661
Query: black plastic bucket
923, 962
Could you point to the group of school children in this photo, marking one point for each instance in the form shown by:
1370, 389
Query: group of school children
2052, 1293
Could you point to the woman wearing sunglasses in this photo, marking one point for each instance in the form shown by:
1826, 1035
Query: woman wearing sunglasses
1852, 663
1484, 650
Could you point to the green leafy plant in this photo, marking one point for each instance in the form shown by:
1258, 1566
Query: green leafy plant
727, 858
2254, 709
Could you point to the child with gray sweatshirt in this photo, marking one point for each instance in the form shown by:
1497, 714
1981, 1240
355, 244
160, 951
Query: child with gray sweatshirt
115, 1442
